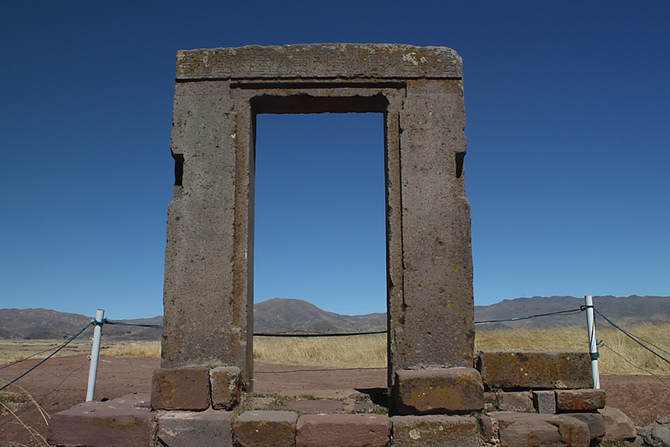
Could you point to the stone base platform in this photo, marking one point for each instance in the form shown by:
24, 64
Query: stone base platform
329, 418
122, 422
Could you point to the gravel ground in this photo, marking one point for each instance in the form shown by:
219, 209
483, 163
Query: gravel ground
60, 383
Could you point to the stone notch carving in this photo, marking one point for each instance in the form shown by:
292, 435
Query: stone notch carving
208, 293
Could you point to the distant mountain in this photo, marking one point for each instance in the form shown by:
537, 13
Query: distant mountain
281, 315
43, 324
622, 310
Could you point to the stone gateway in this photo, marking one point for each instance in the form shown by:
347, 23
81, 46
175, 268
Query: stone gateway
208, 293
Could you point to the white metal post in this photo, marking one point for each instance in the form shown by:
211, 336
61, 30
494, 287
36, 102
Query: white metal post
95, 353
593, 343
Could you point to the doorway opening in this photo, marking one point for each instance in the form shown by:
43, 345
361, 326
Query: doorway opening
320, 245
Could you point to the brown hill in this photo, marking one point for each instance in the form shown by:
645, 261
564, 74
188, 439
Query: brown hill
45, 324
281, 315
622, 310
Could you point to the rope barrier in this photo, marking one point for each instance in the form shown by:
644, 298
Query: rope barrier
316, 334
528, 317
343, 334
48, 357
119, 323
347, 334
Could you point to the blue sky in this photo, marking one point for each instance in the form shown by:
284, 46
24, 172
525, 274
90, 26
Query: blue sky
567, 103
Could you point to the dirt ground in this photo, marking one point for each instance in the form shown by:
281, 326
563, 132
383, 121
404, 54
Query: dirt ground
60, 383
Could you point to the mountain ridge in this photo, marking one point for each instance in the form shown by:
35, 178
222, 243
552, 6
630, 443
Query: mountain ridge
283, 315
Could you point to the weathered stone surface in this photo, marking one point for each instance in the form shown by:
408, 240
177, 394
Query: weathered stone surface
568, 401
199, 275
340, 60
187, 429
265, 429
180, 389
544, 401
618, 426
594, 421
657, 434
521, 401
432, 318
535, 370
532, 429
118, 422
226, 383
451, 391
435, 431
339, 430
490, 430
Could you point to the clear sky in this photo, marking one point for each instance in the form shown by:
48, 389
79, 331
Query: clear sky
568, 109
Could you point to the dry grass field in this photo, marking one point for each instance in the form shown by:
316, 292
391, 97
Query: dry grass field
13, 351
619, 354
363, 351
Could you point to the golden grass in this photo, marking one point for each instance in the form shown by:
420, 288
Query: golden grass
12, 403
370, 350
145, 349
555, 339
617, 356
363, 351
14, 351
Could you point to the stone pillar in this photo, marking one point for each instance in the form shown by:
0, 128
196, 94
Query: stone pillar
432, 322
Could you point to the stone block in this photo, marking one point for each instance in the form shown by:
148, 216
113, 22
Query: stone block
490, 430
569, 401
340, 430
595, 423
618, 426
119, 422
265, 429
226, 383
657, 434
637, 442
336, 60
187, 429
435, 430
521, 401
535, 370
450, 391
544, 401
180, 389
532, 429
